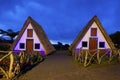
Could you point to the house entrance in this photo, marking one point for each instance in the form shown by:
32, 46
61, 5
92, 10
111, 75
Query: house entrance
29, 45
93, 44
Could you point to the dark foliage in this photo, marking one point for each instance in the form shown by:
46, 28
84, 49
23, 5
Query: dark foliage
5, 46
60, 46
116, 39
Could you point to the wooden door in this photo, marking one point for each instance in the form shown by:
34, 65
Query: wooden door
29, 45
93, 43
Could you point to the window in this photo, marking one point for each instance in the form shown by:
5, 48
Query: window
101, 44
22, 46
84, 44
29, 32
93, 31
37, 46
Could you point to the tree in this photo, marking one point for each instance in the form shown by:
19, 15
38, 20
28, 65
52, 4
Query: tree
60, 45
66, 46
116, 39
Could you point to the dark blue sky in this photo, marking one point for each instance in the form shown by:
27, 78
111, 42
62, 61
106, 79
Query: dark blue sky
62, 20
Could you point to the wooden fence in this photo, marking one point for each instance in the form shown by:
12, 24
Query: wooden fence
86, 58
12, 62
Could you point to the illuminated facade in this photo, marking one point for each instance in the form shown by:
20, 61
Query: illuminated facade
32, 38
92, 37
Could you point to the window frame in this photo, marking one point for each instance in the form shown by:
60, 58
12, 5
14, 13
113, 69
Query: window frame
101, 44
23, 46
84, 44
37, 45
93, 31
29, 32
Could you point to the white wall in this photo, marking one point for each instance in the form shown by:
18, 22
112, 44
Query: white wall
87, 36
24, 37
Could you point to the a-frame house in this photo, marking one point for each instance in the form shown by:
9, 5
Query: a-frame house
32, 38
92, 37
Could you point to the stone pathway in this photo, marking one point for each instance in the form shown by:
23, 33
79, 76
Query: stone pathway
59, 66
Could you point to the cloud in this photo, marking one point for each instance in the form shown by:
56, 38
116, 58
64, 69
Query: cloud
17, 14
61, 19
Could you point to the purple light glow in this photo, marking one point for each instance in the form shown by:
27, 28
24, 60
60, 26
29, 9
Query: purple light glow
16, 51
42, 53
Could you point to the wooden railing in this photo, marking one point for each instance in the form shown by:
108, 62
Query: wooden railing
11, 62
86, 57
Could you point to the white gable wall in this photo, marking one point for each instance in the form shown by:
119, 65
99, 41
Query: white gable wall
24, 37
88, 35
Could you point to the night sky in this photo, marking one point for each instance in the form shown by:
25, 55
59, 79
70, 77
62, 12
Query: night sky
62, 20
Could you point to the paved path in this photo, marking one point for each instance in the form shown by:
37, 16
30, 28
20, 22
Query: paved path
59, 66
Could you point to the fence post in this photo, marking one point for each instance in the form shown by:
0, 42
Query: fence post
79, 55
11, 65
98, 57
82, 57
73, 52
110, 57
75, 56
119, 55
85, 62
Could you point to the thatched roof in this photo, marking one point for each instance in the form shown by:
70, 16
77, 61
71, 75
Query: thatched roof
40, 33
85, 29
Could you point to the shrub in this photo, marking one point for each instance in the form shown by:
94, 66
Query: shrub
35, 58
5, 46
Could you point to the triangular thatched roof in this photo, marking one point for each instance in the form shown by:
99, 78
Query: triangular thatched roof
85, 29
40, 33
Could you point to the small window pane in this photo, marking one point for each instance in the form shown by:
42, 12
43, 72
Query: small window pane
93, 31
37, 46
22, 45
101, 44
84, 44
29, 32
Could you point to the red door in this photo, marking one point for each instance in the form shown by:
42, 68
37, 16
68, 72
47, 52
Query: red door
93, 44
29, 45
